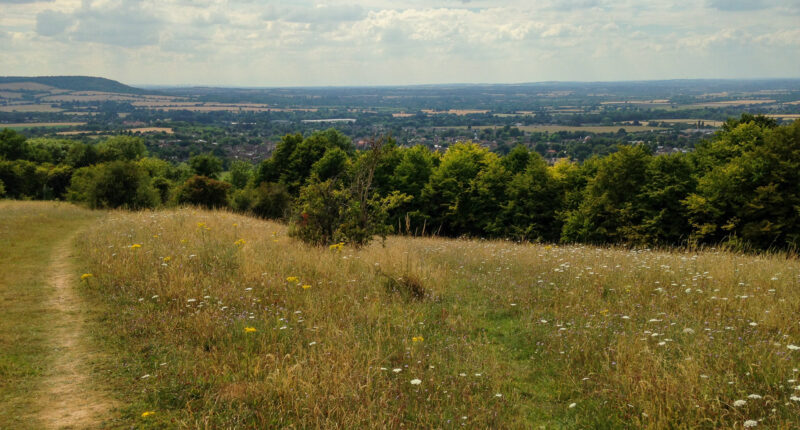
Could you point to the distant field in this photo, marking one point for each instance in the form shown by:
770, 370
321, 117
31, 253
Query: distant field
21, 125
459, 112
728, 103
30, 108
167, 130
555, 128
708, 122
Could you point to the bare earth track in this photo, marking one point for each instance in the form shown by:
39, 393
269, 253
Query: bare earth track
69, 397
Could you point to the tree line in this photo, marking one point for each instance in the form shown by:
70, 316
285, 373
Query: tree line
740, 188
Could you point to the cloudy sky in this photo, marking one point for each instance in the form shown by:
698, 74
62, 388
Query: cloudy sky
369, 42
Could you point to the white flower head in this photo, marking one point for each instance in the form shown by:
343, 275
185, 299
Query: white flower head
739, 403
415, 382
750, 423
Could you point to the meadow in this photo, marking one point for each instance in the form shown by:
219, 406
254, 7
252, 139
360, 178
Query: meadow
216, 320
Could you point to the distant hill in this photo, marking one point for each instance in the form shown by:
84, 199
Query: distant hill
75, 83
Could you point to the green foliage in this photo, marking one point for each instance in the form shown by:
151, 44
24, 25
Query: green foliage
333, 210
204, 191
331, 165
12, 145
118, 184
268, 200
749, 193
446, 195
206, 165
122, 148
240, 174
294, 158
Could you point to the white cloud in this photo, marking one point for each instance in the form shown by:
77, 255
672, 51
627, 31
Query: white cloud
248, 42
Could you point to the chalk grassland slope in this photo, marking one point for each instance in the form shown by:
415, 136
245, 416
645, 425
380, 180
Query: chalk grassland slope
223, 321
73, 83
28, 313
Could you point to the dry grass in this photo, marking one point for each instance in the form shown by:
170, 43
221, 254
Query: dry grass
29, 108
41, 124
512, 335
167, 130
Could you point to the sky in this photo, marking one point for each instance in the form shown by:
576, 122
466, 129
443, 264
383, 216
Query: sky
398, 42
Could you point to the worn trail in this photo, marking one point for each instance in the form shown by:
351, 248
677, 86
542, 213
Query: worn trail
70, 395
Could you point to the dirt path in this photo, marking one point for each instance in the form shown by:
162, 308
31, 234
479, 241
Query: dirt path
70, 396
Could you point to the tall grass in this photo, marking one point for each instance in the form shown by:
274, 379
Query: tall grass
207, 330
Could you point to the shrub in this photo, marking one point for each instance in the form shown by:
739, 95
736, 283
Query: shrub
204, 191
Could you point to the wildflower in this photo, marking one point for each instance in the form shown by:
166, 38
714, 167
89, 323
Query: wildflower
167, 259
250, 330
415, 382
306, 286
235, 225
688, 330
293, 279
147, 414
239, 242
793, 347
754, 396
739, 403
135, 246
86, 276
417, 339
397, 370
750, 423
498, 395
336, 247
794, 398
201, 225
548, 247
572, 405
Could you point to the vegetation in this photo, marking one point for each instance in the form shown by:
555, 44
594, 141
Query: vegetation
434, 333
737, 189
28, 232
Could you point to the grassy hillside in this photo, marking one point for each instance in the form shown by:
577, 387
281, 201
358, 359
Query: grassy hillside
28, 231
219, 320
75, 83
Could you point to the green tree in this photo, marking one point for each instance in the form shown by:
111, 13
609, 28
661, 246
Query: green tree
206, 165
12, 145
204, 191
122, 148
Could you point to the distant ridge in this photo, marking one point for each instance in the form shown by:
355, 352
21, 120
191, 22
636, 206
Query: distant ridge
76, 83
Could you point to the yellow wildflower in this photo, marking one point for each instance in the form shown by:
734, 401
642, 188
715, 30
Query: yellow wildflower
136, 246
167, 259
86, 276
155, 236
548, 247
336, 246
293, 279
147, 414
201, 225
306, 286
239, 242
235, 225
250, 330
417, 339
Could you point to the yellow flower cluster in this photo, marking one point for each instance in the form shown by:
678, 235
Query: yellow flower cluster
147, 414
136, 246
306, 286
336, 247
167, 259
293, 279
86, 276
250, 330
239, 242
417, 339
